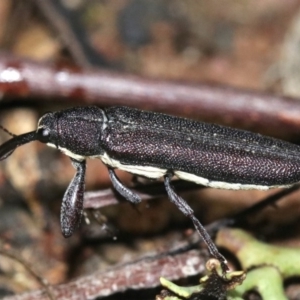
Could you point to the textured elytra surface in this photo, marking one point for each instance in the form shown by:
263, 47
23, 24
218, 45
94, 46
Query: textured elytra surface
214, 152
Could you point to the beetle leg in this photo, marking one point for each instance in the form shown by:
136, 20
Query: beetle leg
188, 211
72, 204
121, 189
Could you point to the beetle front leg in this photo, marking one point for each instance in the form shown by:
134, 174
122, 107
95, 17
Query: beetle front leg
121, 189
187, 211
72, 204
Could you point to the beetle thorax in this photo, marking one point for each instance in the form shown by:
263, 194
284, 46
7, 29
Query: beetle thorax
76, 132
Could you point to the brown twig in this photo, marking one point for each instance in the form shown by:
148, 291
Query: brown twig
141, 274
273, 115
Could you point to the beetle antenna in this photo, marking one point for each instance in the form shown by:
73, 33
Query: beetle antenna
7, 131
10, 146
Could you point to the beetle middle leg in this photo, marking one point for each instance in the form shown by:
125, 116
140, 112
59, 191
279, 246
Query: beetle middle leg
122, 189
188, 211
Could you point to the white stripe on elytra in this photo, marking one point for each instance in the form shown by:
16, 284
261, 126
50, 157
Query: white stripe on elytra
150, 172
68, 152
155, 173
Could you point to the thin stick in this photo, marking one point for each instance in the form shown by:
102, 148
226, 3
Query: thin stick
7, 131
239, 217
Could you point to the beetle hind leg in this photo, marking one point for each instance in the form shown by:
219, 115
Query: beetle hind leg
188, 211
122, 189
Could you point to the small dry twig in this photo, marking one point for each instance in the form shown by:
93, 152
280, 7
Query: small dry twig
141, 274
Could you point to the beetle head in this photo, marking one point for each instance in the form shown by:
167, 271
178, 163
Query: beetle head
75, 131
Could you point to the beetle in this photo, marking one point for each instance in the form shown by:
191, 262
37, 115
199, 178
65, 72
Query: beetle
156, 145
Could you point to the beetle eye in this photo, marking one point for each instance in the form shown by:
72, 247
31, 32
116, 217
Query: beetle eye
43, 135
45, 132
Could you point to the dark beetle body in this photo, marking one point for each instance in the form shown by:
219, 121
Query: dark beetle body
214, 152
237, 159
158, 145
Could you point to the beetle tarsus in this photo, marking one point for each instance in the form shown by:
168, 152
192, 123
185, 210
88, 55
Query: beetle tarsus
121, 189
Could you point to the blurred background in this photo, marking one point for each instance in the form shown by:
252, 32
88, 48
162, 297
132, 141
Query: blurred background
251, 45
242, 43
